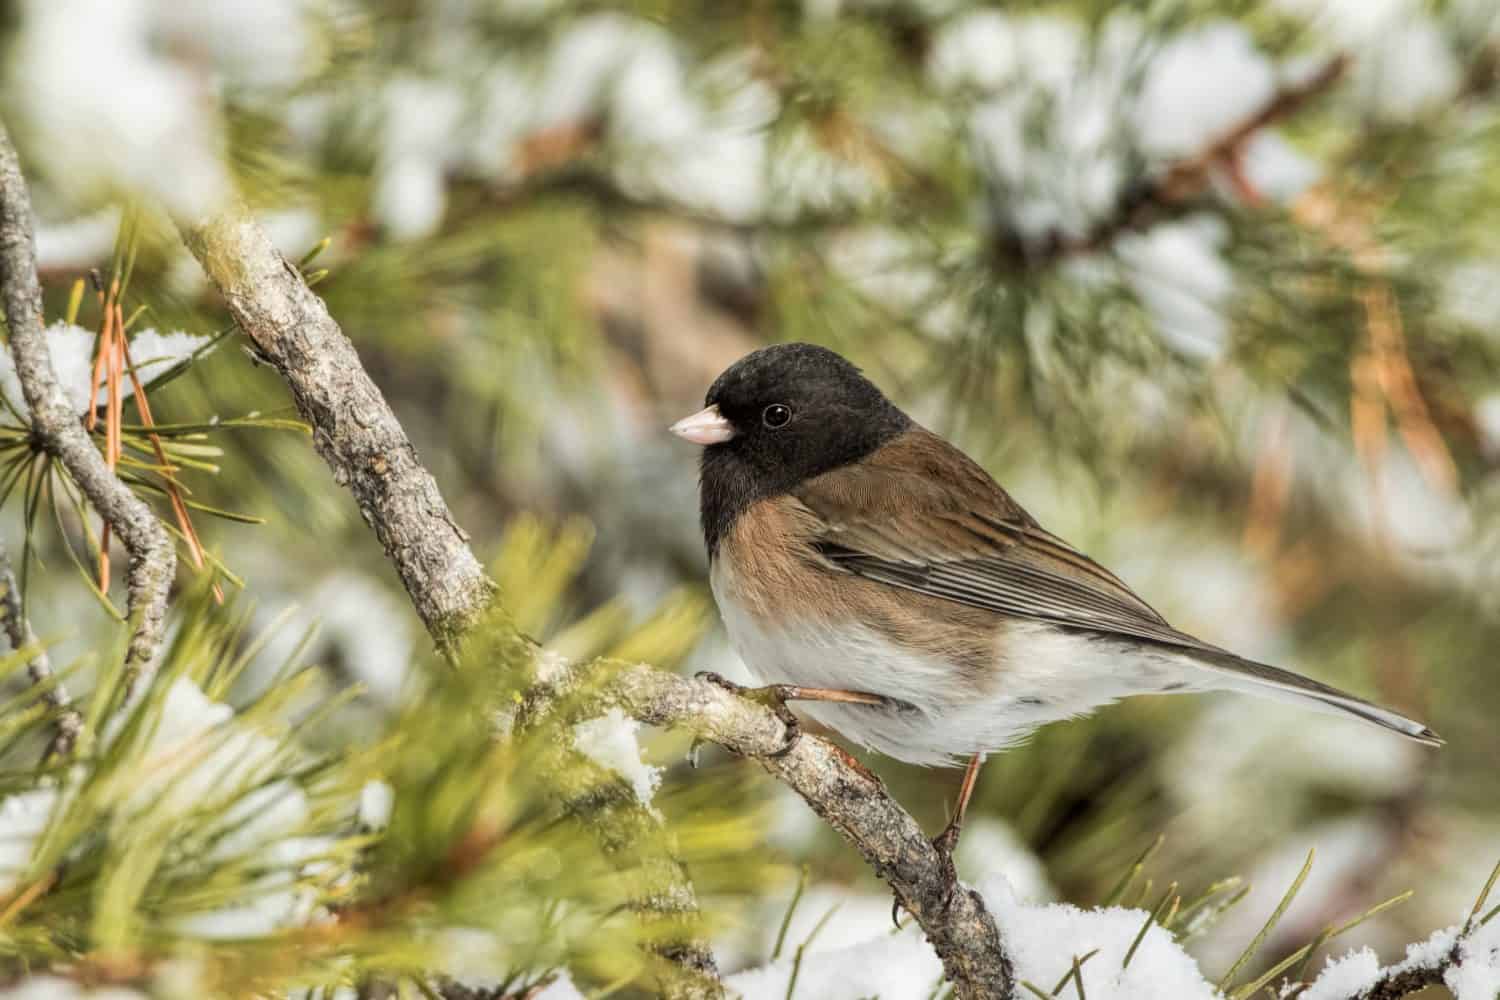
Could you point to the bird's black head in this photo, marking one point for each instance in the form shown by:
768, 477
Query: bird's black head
778, 417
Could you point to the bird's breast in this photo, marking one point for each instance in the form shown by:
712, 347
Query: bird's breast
796, 619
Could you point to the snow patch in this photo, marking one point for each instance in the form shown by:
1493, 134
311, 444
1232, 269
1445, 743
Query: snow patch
72, 351
1042, 941
610, 742
377, 800
23, 819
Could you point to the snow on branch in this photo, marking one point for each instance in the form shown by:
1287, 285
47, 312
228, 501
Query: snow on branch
153, 561
1157, 196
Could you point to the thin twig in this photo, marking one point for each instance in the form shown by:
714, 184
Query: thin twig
60, 433
68, 722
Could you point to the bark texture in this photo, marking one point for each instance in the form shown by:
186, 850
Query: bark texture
58, 431
354, 429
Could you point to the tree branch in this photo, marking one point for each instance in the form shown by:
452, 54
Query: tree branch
1403, 980
354, 429
1153, 198
57, 430
363, 443
840, 790
69, 722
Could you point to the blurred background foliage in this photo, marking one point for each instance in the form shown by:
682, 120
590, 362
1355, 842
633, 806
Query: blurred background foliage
1213, 286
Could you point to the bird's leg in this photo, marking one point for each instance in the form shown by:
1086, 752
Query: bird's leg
775, 697
946, 841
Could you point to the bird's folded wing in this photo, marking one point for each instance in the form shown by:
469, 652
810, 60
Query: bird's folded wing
974, 546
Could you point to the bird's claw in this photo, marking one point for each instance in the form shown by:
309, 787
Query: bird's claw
772, 696
944, 843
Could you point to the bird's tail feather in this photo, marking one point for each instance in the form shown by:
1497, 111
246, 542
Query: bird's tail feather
1236, 673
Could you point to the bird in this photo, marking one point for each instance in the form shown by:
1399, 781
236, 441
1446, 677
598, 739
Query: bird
866, 566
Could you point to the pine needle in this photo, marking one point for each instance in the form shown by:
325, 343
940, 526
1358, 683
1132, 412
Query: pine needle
791, 983
1078, 974
1133, 872
1484, 895
1270, 924
786, 921
1168, 897
1073, 972
1306, 950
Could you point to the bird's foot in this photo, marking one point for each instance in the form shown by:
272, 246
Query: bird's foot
775, 697
772, 696
944, 843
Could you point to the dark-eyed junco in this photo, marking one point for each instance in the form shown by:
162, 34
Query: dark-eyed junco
871, 567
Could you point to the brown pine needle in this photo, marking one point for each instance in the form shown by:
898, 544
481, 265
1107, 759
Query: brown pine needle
104, 559
105, 367
116, 396
174, 492
26, 897
92, 418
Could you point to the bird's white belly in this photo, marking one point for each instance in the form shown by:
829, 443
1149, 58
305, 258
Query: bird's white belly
1042, 674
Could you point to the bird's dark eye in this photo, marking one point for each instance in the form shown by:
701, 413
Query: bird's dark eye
776, 416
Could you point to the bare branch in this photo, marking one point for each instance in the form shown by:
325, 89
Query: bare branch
354, 429
57, 429
69, 722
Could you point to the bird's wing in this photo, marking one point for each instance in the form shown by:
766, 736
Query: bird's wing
921, 516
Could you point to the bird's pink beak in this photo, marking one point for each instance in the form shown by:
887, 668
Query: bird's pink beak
705, 427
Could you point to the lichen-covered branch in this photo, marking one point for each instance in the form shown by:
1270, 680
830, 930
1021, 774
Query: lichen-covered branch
354, 429
68, 722
847, 796
153, 561
368, 451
